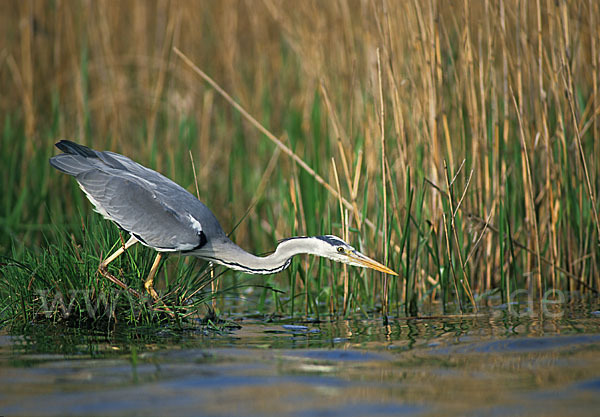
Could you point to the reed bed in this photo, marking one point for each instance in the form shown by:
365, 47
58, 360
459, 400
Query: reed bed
455, 141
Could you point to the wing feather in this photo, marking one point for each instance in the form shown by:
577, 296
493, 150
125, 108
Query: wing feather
135, 208
156, 210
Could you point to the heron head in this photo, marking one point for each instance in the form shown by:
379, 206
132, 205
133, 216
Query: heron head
335, 248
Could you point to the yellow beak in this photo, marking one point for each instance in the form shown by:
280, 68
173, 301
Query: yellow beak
367, 262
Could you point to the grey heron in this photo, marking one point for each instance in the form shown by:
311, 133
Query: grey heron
161, 214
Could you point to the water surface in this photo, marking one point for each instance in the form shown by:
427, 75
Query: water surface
492, 363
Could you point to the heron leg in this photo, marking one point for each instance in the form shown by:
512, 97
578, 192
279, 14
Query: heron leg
102, 268
149, 283
104, 264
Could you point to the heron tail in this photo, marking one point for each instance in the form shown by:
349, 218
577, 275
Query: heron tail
75, 160
73, 148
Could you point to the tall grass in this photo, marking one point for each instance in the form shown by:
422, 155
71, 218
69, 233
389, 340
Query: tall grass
464, 136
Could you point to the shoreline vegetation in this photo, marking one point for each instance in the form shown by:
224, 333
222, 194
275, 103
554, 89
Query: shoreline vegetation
457, 143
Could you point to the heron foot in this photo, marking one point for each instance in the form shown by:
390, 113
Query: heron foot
149, 286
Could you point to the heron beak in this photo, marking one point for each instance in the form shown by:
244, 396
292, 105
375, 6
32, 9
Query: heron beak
367, 262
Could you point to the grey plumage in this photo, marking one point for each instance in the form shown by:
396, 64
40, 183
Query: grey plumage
160, 214
119, 187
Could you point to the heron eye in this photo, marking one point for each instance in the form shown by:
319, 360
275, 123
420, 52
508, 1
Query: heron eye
340, 249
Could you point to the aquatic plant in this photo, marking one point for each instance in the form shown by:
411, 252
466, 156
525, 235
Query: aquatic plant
458, 143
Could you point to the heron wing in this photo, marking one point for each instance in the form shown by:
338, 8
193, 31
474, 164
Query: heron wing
161, 213
119, 161
78, 159
132, 203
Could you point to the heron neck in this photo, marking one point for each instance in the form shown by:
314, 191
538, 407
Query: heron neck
232, 256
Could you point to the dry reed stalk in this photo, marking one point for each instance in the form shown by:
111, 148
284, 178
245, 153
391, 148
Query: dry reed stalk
565, 60
356, 181
203, 137
267, 133
552, 202
594, 37
383, 183
485, 279
505, 97
595, 58
344, 234
342, 140
172, 25
528, 183
299, 212
446, 226
453, 210
569, 89
547, 261
25, 72
398, 117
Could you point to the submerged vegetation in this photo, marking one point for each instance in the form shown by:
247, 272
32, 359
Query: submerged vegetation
457, 143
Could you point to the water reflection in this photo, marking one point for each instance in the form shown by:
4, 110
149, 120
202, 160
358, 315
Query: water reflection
489, 363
